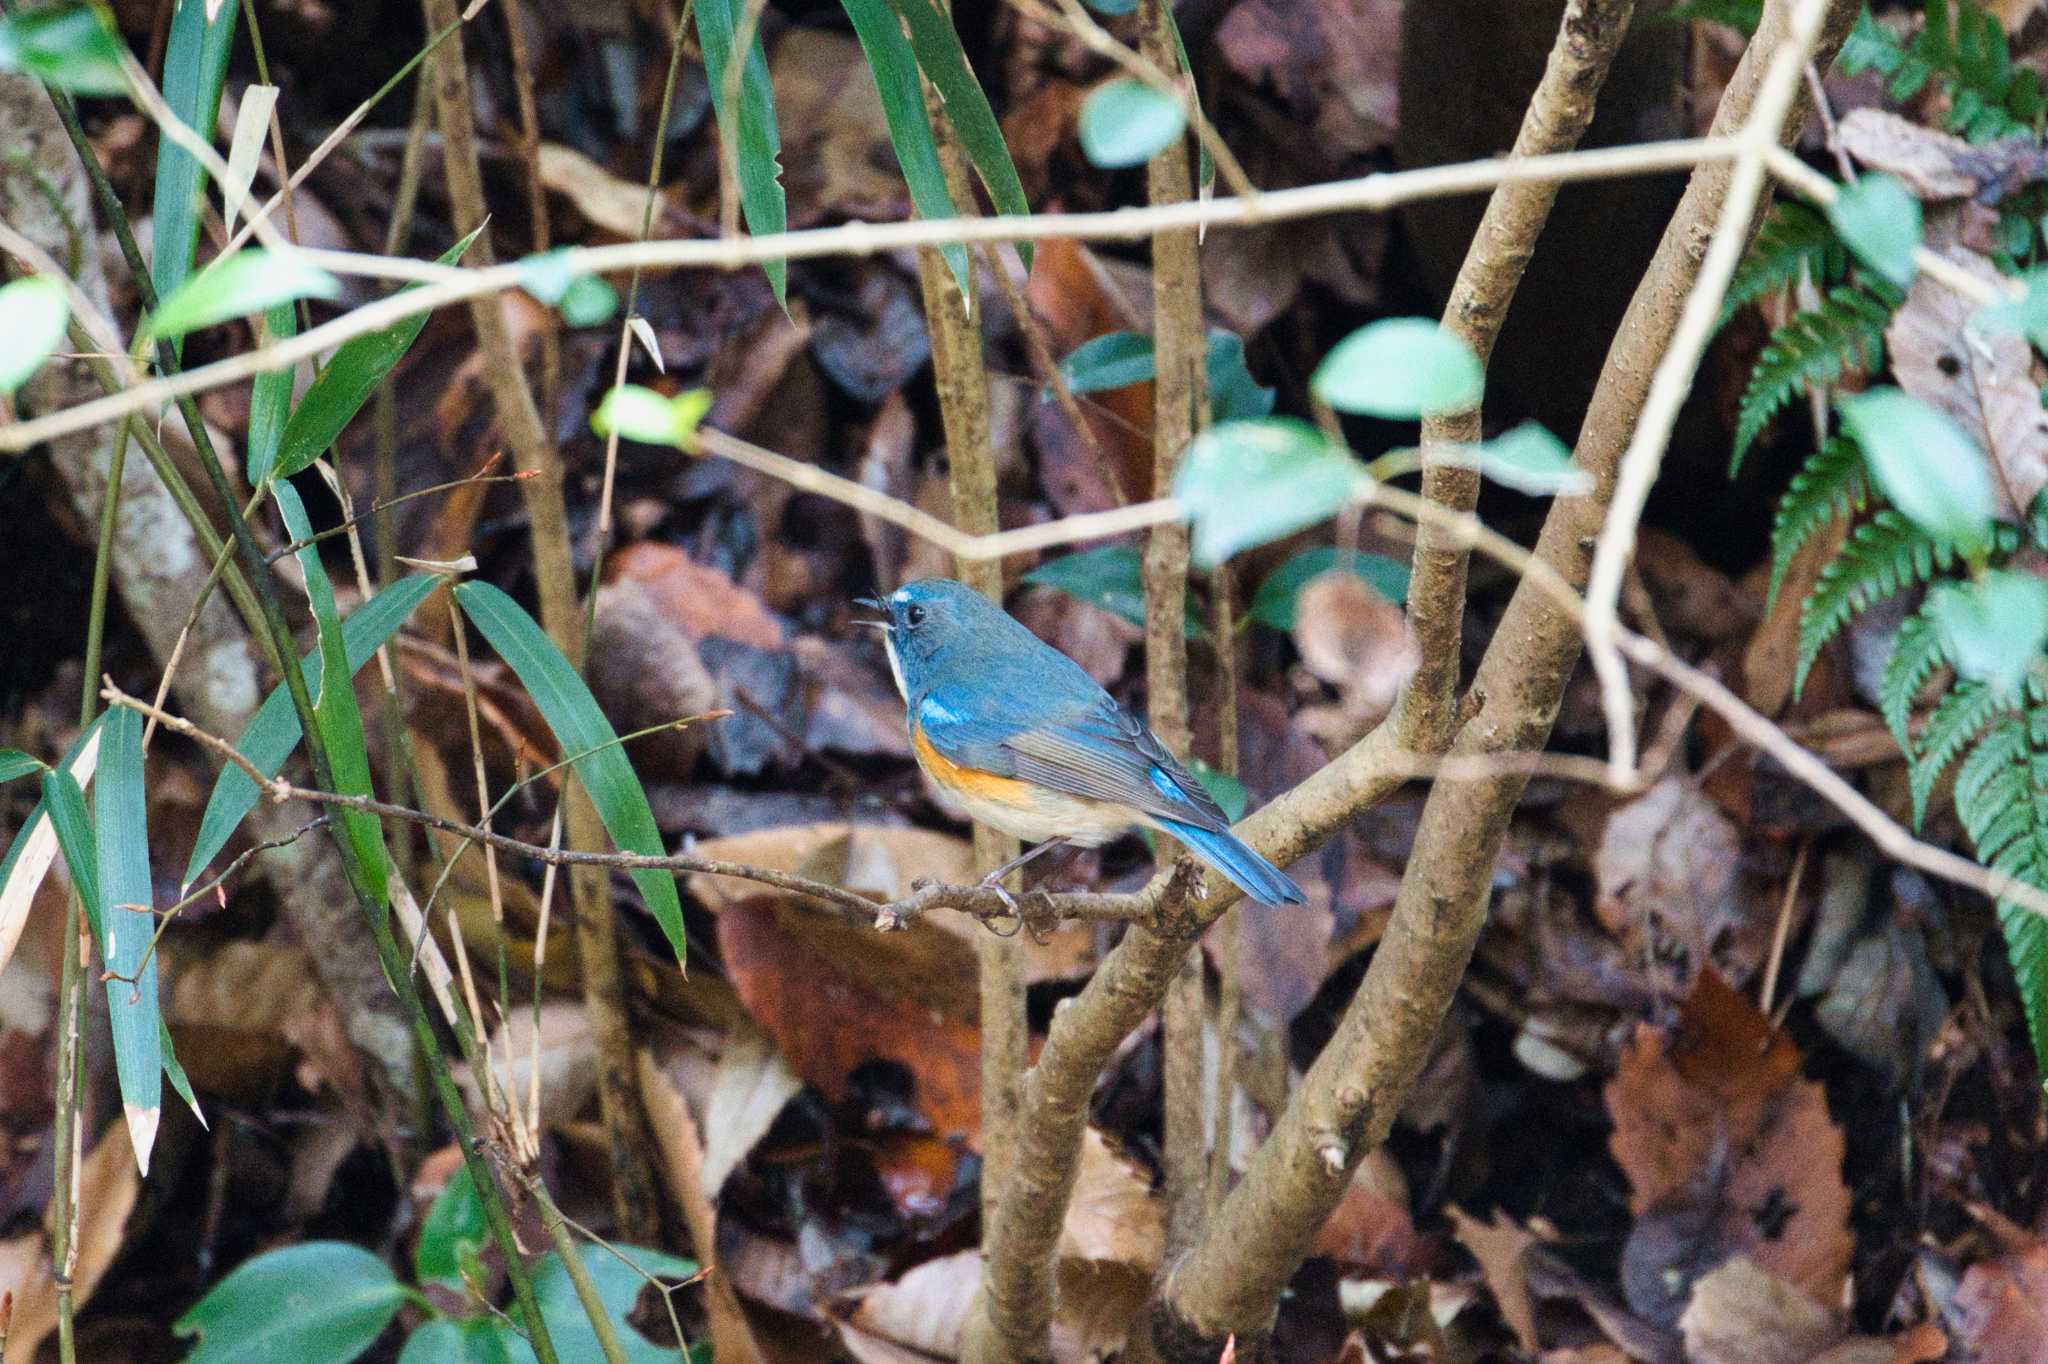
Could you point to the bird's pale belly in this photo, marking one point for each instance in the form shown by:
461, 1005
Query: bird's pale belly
1020, 809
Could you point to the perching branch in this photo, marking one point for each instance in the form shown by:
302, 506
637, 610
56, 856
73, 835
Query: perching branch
1230, 1283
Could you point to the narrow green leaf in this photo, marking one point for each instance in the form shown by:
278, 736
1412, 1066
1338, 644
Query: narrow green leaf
1110, 576
1531, 460
1249, 482
34, 847
344, 385
195, 64
1126, 123
174, 1071
1114, 9
67, 46
1275, 602
15, 763
581, 728
1879, 220
757, 144
121, 830
33, 313
64, 806
1205, 164
1924, 463
320, 1302
944, 64
273, 732
1994, 628
455, 1220
894, 68
270, 399
247, 282
1400, 368
339, 717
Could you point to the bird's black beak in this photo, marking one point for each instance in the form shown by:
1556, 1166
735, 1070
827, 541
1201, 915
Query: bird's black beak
885, 625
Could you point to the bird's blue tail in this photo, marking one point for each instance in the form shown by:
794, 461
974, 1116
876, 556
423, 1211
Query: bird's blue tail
1249, 872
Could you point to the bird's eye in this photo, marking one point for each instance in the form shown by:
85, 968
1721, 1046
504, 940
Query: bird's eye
913, 616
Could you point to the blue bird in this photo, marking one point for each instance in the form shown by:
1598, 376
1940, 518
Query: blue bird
1028, 743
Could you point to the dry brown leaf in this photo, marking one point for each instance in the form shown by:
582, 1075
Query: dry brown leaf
1727, 1150
567, 1057
835, 996
701, 599
1114, 1214
1371, 1229
2001, 1308
1502, 1249
752, 1085
613, 205
1357, 641
1741, 1314
645, 671
1982, 378
919, 1317
107, 1187
1668, 878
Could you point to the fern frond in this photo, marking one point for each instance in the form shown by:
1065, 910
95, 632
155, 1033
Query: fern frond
1810, 350
1828, 486
1952, 724
2002, 799
1795, 239
1917, 650
1883, 555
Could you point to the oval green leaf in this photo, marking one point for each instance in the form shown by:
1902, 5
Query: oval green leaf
247, 282
1245, 483
1994, 628
1878, 219
321, 1302
1109, 576
1127, 123
1275, 601
1400, 369
587, 739
1531, 460
1924, 462
33, 314
67, 46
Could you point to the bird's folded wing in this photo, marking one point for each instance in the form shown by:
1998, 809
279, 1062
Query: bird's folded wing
1111, 756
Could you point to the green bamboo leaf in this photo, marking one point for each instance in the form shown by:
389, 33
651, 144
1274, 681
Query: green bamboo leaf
344, 385
33, 312
195, 64
247, 282
320, 1302
1249, 482
29, 856
1205, 164
944, 64
174, 1071
1126, 122
64, 806
126, 935
270, 399
581, 728
894, 68
67, 46
273, 732
15, 763
757, 146
336, 711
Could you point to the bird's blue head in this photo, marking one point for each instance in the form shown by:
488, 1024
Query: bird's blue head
934, 620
